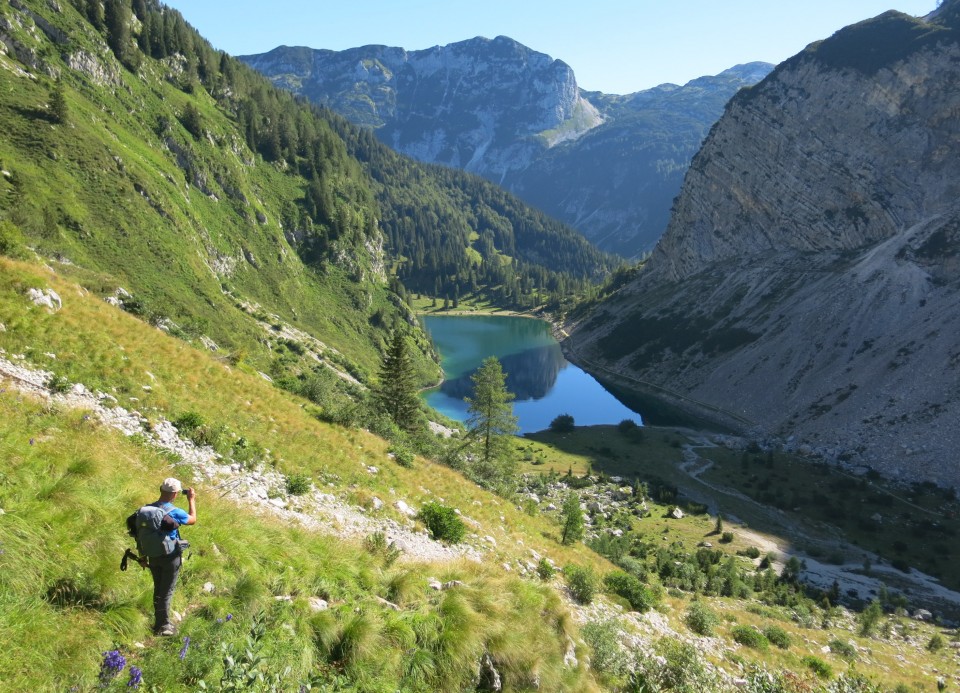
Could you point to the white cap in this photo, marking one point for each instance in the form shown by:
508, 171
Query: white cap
171, 485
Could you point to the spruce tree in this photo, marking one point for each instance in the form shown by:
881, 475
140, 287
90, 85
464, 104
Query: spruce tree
492, 424
396, 393
571, 519
58, 103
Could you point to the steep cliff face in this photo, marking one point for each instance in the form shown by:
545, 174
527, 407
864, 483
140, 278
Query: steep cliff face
808, 285
608, 165
486, 106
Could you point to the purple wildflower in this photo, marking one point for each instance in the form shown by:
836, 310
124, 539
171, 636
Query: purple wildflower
229, 617
136, 676
219, 620
186, 646
112, 664
31, 441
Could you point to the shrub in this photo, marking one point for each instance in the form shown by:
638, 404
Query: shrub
545, 571
750, 552
402, 456
936, 643
749, 636
629, 587
726, 537
843, 649
627, 426
582, 583
869, 618
443, 522
562, 424
778, 636
188, 422
817, 666
701, 619
608, 656
298, 484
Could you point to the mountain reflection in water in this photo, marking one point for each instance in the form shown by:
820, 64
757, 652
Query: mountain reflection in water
530, 374
543, 382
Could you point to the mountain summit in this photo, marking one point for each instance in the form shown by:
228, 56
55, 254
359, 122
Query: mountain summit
608, 165
808, 284
486, 106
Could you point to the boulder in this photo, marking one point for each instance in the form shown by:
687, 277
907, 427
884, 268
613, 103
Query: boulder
317, 604
676, 514
404, 509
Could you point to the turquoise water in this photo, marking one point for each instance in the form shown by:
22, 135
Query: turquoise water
544, 383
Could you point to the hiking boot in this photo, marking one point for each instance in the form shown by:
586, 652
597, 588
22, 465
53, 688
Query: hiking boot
166, 630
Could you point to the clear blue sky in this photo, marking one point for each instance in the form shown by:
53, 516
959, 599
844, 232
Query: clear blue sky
615, 46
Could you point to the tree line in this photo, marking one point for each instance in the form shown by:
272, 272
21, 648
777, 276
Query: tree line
449, 233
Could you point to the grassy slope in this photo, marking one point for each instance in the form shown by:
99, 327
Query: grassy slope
898, 655
105, 191
65, 497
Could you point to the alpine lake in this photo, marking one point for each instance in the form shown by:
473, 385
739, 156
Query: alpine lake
543, 382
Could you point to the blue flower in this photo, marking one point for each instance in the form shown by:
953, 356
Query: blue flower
136, 676
186, 646
112, 664
229, 617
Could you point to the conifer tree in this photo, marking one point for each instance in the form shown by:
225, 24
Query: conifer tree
396, 393
492, 424
58, 103
571, 519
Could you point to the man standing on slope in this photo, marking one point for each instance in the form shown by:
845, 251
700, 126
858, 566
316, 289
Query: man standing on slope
166, 568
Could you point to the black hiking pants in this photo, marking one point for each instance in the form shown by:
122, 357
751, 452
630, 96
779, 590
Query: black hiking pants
164, 570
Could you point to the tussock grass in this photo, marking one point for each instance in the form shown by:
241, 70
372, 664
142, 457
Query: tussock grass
67, 483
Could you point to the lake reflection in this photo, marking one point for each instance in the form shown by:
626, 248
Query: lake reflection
543, 382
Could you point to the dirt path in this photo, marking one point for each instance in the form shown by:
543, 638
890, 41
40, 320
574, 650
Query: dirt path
785, 536
260, 490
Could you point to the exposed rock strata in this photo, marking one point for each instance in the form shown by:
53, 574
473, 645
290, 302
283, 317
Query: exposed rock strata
809, 282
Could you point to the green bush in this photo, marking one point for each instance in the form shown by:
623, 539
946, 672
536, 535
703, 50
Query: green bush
298, 484
936, 643
188, 422
402, 456
582, 583
701, 619
443, 522
629, 587
750, 552
608, 657
545, 571
778, 636
843, 649
817, 666
562, 424
726, 537
748, 636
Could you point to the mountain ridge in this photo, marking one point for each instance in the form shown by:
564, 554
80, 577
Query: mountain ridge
518, 117
808, 273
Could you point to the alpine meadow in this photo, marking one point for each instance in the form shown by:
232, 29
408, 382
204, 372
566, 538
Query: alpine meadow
205, 276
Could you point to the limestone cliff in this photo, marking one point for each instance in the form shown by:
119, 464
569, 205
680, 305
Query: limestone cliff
808, 284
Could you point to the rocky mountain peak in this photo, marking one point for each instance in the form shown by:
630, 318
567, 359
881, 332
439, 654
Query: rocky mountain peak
807, 285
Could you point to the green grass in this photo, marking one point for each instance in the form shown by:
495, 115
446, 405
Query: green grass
918, 524
67, 484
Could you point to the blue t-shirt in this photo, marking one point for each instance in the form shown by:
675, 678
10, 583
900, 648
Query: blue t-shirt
178, 514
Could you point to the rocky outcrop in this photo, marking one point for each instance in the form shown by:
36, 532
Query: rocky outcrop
608, 165
809, 283
486, 106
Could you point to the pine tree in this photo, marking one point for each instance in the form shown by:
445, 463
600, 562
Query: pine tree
571, 519
397, 390
491, 425
58, 103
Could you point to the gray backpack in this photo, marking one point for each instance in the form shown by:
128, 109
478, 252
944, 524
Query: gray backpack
153, 525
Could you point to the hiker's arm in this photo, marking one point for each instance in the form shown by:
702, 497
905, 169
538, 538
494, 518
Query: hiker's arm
191, 507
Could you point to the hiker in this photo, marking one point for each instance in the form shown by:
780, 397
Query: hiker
165, 568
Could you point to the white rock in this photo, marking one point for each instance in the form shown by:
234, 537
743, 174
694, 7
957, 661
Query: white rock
404, 509
278, 502
209, 587
47, 298
283, 598
317, 604
373, 470
376, 503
